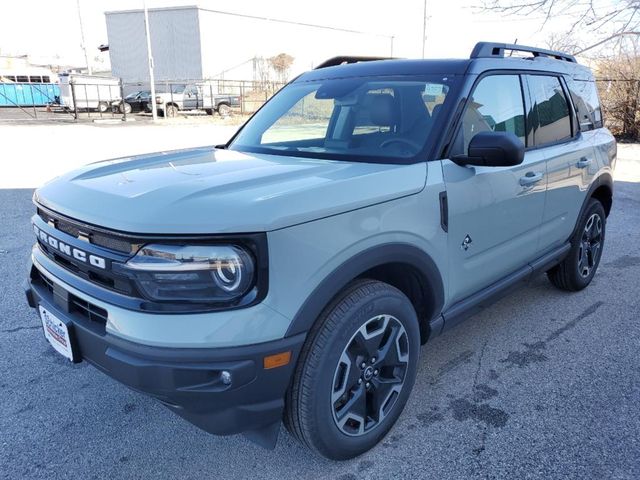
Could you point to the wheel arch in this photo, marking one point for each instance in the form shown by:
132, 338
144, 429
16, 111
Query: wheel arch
602, 190
604, 194
403, 266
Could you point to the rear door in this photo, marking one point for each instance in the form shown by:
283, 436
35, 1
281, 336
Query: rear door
570, 154
494, 212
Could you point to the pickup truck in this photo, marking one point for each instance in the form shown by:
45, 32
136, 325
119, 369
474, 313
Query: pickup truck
194, 97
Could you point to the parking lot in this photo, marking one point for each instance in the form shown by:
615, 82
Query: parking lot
543, 384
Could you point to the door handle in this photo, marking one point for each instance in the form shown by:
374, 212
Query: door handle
531, 178
583, 162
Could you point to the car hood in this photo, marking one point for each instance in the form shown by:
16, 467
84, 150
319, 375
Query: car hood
207, 190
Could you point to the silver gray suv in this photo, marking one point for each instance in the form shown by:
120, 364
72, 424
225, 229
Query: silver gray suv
293, 273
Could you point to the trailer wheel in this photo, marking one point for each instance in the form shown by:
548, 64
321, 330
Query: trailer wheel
103, 107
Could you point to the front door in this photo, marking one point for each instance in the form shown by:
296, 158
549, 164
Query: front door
190, 100
494, 212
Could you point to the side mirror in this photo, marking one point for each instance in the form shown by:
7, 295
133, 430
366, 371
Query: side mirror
493, 149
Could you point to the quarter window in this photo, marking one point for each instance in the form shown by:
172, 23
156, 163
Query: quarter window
496, 105
550, 118
585, 98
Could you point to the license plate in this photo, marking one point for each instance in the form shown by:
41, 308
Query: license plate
56, 331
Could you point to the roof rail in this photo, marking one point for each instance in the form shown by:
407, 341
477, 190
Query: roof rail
493, 50
341, 60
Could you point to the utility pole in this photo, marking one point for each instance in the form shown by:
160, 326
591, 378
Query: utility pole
154, 108
424, 27
83, 44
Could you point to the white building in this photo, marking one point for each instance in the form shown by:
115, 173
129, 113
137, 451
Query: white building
193, 43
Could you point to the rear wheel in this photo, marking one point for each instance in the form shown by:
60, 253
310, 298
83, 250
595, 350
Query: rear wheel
224, 110
578, 268
355, 372
124, 107
103, 107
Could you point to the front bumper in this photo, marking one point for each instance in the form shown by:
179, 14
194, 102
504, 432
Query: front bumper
187, 380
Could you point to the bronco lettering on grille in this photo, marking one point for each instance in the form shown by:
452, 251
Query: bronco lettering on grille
75, 253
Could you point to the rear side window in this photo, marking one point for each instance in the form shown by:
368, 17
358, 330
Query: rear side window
550, 117
585, 98
495, 105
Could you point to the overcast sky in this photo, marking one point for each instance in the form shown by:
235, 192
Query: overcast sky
49, 29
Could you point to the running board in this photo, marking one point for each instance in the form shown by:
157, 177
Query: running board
475, 303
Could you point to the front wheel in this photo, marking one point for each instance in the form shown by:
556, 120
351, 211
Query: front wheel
171, 111
356, 371
576, 271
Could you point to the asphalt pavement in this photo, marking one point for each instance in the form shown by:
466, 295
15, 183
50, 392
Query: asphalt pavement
543, 384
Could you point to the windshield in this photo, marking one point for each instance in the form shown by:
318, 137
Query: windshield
349, 118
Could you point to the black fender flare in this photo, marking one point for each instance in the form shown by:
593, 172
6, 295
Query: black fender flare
606, 180
336, 281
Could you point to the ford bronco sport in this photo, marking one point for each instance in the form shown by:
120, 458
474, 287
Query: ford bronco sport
293, 273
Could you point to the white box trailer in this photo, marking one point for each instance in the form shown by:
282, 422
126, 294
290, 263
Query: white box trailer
91, 92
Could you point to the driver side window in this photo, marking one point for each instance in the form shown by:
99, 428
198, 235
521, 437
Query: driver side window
496, 105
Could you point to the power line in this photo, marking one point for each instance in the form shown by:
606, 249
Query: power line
292, 22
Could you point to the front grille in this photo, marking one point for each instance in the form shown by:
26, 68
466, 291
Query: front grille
75, 304
95, 236
104, 278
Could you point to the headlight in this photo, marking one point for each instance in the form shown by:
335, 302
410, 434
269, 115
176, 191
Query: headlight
159, 100
202, 273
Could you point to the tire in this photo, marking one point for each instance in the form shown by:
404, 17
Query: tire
576, 271
124, 108
209, 111
102, 107
224, 110
171, 111
371, 325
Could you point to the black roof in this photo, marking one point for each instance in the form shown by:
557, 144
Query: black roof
388, 67
485, 56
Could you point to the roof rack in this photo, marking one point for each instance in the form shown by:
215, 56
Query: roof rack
344, 59
493, 50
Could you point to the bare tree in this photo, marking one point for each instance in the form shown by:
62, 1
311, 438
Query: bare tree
281, 64
262, 72
619, 85
608, 19
563, 42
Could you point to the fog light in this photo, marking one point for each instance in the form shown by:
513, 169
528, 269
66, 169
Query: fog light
225, 377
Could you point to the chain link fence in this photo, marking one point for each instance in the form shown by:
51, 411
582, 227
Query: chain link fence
620, 101
90, 98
